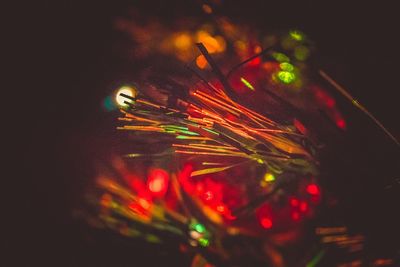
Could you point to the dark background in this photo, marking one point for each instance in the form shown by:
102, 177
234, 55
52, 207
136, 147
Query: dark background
67, 50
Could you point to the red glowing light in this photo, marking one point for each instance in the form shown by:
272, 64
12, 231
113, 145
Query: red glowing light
144, 203
341, 124
255, 62
157, 182
330, 102
303, 206
229, 216
266, 223
300, 126
294, 202
313, 189
295, 216
221, 208
208, 196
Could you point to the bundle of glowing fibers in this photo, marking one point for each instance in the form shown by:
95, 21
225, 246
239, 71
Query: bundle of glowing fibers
222, 170
224, 164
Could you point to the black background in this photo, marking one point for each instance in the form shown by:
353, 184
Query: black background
65, 64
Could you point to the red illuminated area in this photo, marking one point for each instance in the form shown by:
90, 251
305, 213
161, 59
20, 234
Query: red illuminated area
341, 124
295, 216
328, 103
266, 222
298, 208
217, 195
313, 189
157, 182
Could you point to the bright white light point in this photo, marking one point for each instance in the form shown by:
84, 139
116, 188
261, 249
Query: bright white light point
124, 90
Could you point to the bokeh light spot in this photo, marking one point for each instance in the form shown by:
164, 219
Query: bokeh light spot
280, 57
266, 223
183, 41
313, 189
301, 53
199, 228
207, 9
126, 90
158, 182
286, 66
286, 77
201, 62
296, 35
269, 177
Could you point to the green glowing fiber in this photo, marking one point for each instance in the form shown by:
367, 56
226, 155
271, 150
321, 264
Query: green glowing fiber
297, 35
182, 137
247, 83
211, 131
316, 259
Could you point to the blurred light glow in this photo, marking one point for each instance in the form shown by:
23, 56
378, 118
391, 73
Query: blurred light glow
301, 53
127, 90
303, 206
195, 235
212, 44
221, 208
266, 223
183, 41
247, 83
158, 182
204, 242
144, 203
294, 202
286, 66
208, 195
341, 124
257, 49
295, 216
313, 189
109, 104
286, 76
280, 57
199, 228
201, 62
269, 177
207, 9
296, 35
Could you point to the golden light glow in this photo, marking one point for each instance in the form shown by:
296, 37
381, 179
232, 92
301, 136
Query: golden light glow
201, 62
207, 9
215, 44
183, 41
269, 177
